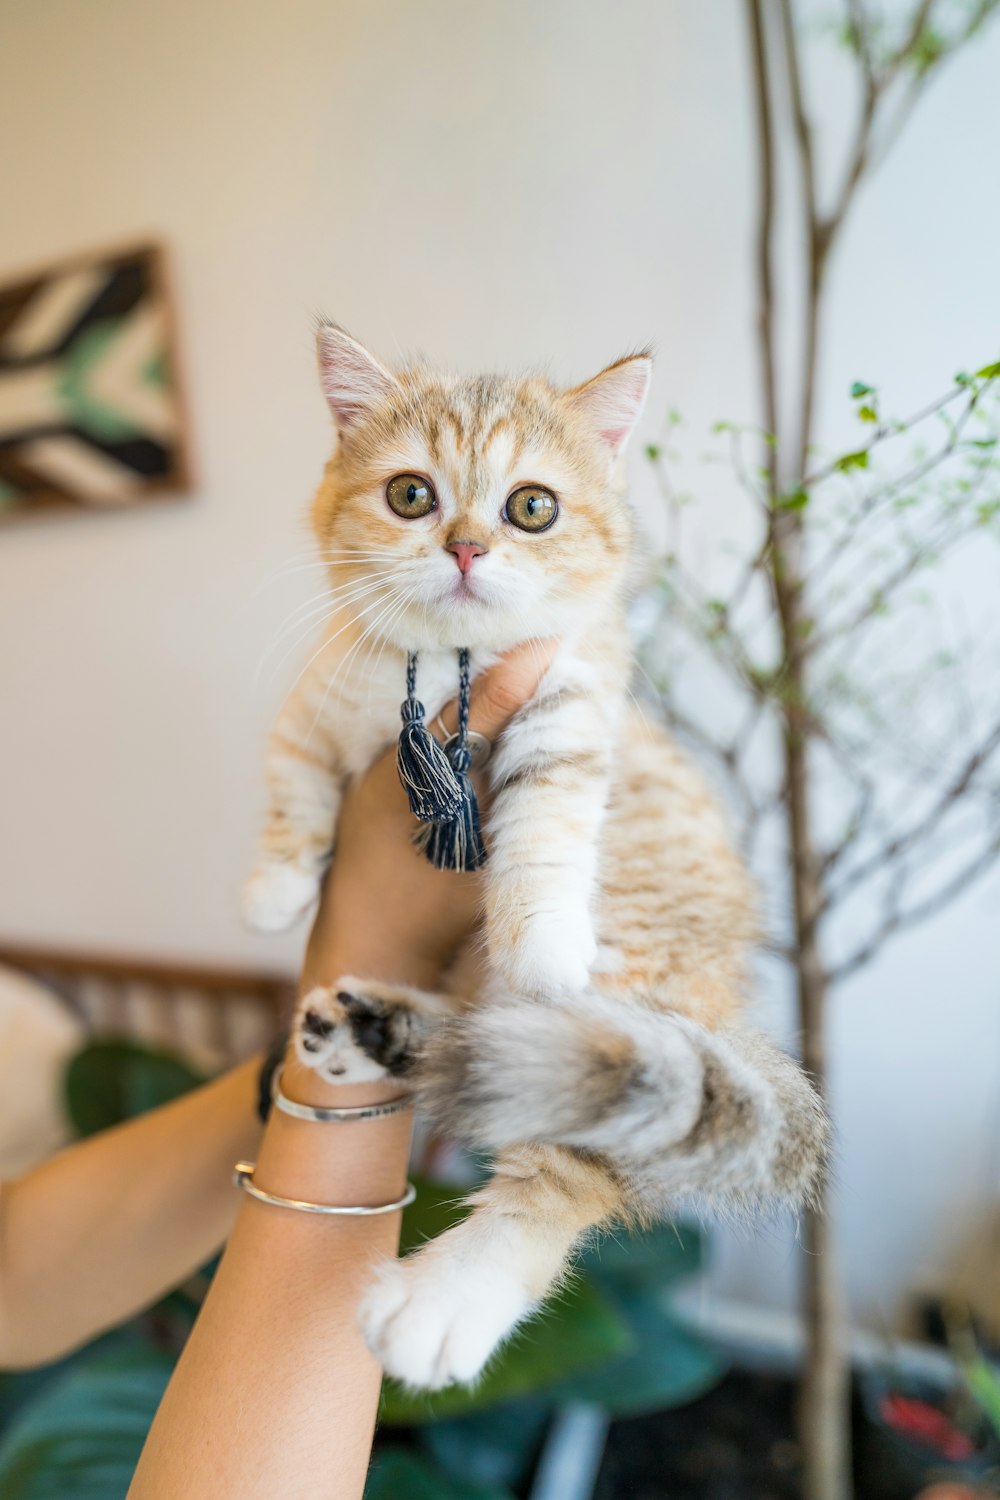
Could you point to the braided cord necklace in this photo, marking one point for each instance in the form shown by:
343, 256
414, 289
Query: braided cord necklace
436, 778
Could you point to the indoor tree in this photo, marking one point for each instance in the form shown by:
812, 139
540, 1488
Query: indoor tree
866, 749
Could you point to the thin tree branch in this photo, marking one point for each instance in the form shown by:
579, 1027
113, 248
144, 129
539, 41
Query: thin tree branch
765, 232
903, 843
898, 920
818, 240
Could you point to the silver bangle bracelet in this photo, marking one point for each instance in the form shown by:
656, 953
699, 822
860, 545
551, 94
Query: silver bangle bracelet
243, 1178
325, 1115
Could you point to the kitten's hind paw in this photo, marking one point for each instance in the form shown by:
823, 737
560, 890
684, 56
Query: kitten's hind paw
354, 1033
277, 895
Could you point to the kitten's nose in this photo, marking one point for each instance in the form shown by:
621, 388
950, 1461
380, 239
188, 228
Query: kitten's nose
465, 554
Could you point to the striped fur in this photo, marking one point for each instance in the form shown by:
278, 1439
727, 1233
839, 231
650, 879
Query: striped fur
595, 1041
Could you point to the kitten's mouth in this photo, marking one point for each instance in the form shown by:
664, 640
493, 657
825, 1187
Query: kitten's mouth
464, 591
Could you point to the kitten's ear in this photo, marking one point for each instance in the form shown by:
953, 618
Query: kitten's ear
353, 380
611, 404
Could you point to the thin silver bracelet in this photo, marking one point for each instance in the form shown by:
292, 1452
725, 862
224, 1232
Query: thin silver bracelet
243, 1178
324, 1115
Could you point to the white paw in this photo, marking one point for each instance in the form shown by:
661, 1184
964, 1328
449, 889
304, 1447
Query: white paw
326, 1039
552, 954
277, 895
432, 1322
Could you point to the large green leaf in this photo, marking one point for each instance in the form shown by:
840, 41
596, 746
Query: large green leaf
667, 1365
495, 1447
436, 1208
400, 1475
19, 1387
575, 1331
107, 1082
80, 1438
650, 1257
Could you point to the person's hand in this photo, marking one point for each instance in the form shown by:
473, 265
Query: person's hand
385, 911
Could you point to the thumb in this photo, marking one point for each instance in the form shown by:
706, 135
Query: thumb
499, 692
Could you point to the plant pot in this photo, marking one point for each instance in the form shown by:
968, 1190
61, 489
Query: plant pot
919, 1431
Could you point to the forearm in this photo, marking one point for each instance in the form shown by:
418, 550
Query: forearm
111, 1224
276, 1393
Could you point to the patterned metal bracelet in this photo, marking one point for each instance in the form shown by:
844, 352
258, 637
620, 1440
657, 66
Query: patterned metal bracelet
243, 1178
323, 1114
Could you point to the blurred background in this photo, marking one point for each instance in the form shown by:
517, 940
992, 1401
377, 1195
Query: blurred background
493, 185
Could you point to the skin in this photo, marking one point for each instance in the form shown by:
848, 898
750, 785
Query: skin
110, 1225
276, 1393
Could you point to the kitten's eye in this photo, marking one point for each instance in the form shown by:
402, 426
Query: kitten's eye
410, 496
531, 508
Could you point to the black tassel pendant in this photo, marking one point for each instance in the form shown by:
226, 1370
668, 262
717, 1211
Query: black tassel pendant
437, 782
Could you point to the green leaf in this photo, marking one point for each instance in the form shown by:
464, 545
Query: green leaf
437, 1207
668, 1366
859, 389
19, 1387
653, 452
652, 1257
984, 1383
867, 413
989, 372
107, 1082
80, 1439
398, 1474
928, 48
797, 500
495, 1447
578, 1329
855, 460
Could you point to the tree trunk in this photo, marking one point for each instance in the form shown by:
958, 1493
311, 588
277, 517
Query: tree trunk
824, 1421
825, 1399
825, 1407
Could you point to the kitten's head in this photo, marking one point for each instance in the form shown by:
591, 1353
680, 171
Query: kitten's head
473, 512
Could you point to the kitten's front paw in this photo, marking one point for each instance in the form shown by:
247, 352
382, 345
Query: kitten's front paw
431, 1322
550, 954
351, 1035
277, 895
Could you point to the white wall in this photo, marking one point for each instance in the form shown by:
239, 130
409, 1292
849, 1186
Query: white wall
490, 183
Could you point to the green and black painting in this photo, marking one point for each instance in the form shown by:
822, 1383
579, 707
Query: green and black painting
90, 409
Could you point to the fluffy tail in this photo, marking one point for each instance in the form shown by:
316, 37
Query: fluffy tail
676, 1110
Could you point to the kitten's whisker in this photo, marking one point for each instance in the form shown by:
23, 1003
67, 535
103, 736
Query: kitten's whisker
335, 608
373, 625
307, 612
333, 593
373, 669
352, 620
376, 624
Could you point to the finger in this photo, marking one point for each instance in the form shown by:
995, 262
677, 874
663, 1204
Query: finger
502, 689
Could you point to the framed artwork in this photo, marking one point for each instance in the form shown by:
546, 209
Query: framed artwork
91, 416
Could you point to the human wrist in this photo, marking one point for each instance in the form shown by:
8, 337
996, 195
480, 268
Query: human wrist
416, 959
343, 1161
304, 1085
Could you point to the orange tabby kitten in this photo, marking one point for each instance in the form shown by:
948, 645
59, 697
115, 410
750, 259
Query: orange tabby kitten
595, 1041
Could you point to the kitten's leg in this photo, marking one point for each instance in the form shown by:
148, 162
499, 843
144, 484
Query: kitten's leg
359, 1030
550, 778
677, 1108
305, 776
435, 1317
